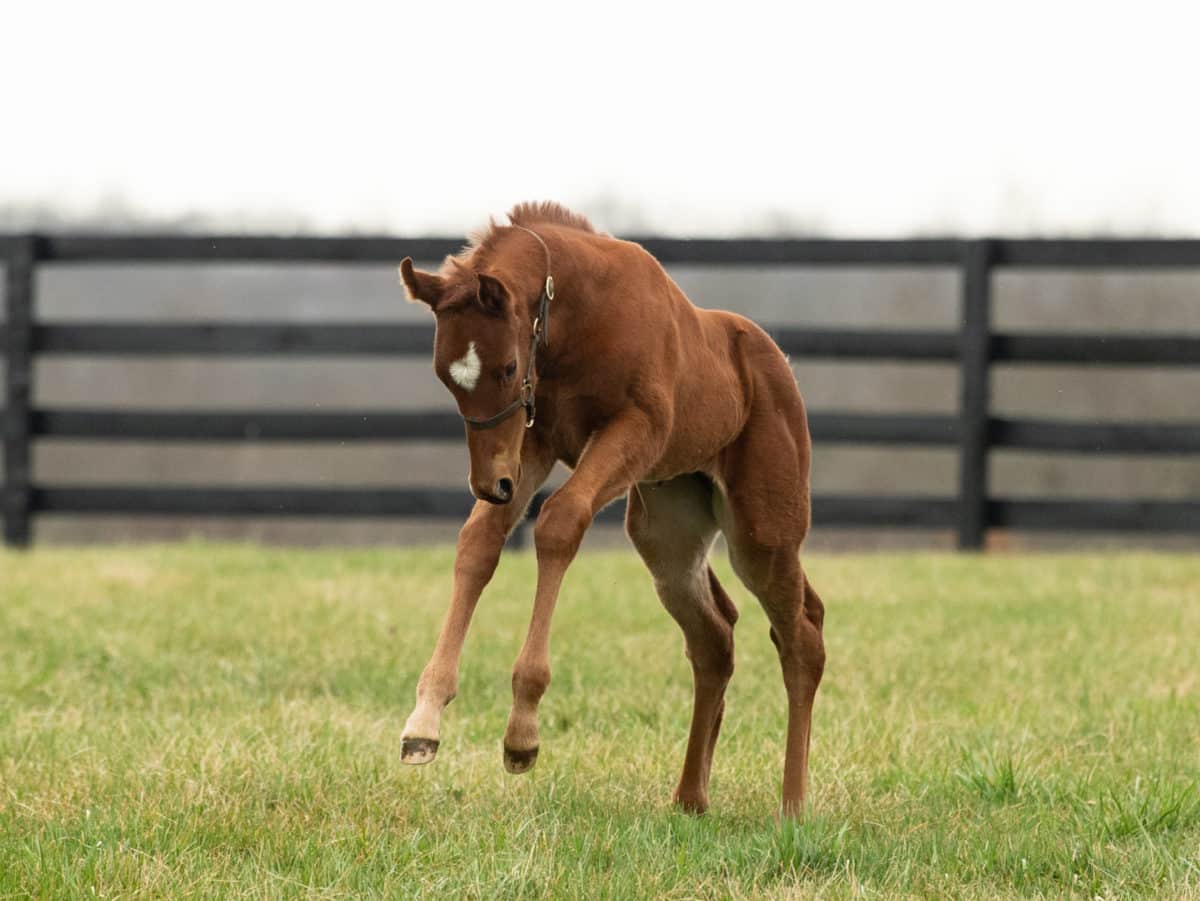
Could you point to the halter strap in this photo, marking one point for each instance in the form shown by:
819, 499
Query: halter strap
540, 335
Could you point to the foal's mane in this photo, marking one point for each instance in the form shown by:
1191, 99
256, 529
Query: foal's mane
524, 215
459, 270
550, 213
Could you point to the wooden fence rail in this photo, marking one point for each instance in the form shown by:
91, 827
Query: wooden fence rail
974, 348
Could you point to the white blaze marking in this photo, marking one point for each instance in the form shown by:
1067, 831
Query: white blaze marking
466, 371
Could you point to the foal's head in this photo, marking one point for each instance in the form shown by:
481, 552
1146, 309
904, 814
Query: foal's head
480, 353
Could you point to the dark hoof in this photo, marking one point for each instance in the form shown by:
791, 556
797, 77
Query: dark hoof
415, 751
517, 762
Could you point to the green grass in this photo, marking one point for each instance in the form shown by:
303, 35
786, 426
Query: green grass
212, 720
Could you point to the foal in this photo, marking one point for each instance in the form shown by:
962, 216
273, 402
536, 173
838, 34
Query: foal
559, 343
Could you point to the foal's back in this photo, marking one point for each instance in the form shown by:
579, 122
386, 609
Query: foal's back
716, 370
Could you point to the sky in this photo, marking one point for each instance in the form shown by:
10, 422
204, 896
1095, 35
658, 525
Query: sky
842, 119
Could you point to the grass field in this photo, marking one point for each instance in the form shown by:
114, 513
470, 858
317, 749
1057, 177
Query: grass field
212, 720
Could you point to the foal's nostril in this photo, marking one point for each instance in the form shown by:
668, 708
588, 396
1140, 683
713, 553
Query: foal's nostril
504, 490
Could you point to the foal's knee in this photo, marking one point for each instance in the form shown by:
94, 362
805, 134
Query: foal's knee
560, 526
480, 542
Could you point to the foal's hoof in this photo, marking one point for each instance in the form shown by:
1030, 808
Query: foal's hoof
517, 762
696, 805
415, 751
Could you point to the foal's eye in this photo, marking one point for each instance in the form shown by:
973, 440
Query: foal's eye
510, 370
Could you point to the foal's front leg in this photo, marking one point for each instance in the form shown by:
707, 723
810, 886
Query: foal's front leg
479, 545
615, 457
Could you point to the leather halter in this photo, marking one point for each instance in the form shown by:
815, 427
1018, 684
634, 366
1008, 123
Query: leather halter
540, 335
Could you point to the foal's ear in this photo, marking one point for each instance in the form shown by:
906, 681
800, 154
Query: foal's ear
421, 286
493, 296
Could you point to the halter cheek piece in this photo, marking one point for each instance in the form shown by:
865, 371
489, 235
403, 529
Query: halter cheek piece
541, 335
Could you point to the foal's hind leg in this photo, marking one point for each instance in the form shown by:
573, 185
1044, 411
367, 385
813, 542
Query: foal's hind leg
796, 615
763, 511
672, 526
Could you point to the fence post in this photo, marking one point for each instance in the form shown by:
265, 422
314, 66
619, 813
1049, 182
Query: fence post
974, 363
18, 390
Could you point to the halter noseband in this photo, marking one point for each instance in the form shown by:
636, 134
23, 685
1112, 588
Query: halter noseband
541, 335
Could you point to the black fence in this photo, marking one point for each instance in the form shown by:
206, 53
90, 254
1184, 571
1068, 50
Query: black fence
974, 347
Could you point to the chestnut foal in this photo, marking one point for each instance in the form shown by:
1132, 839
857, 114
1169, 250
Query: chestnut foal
694, 414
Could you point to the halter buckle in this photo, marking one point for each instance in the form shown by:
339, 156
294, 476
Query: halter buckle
549, 287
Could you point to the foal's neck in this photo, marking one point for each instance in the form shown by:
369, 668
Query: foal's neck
567, 309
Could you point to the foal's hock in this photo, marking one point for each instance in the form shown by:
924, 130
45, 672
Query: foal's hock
694, 414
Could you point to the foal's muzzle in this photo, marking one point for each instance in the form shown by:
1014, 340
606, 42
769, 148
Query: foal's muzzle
501, 493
